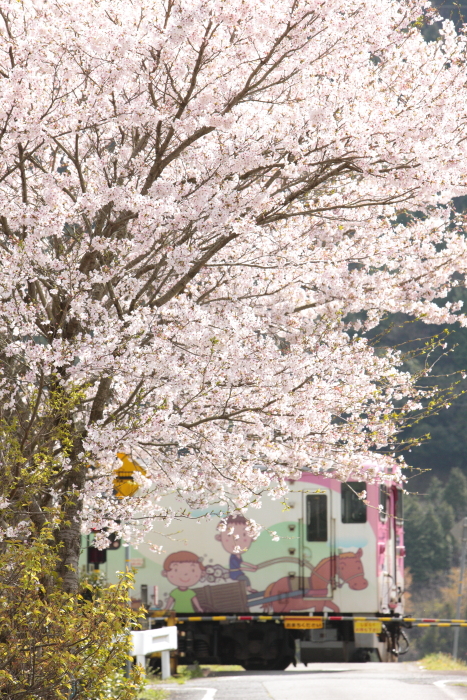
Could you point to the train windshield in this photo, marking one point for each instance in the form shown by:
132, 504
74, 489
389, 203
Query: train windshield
353, 507
317, 517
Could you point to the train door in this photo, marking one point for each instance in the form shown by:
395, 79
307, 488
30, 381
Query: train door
388, 547
318, 533
354, 553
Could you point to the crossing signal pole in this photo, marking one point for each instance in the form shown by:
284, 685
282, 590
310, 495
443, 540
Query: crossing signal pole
455, 649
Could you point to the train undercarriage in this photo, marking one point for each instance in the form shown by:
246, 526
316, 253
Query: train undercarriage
270, 646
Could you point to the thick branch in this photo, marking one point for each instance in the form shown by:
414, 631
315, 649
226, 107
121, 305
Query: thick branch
100, 400
183, 281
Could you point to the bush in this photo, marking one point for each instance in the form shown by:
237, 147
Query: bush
56, 645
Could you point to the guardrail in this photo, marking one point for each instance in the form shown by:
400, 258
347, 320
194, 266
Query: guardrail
163, 640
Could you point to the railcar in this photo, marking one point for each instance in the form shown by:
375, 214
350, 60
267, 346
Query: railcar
330, 556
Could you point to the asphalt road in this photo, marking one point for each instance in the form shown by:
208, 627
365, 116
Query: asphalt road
371, 681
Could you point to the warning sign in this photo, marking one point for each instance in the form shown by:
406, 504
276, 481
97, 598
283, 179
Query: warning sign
305, 623
367, 626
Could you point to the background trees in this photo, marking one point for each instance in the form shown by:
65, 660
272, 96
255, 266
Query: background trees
429, 518
197, 199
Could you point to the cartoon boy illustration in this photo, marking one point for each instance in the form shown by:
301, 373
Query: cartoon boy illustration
236, 539
183, 569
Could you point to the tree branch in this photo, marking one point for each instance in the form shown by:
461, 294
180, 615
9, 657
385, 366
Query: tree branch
183, 281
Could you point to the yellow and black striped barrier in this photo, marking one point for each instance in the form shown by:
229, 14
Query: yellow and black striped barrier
413, 621
213, 618
436, 623
410, 621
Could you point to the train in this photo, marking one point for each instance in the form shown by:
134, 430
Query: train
323, 581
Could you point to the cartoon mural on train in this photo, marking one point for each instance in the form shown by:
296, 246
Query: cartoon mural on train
325, 560
230, 589
327, 548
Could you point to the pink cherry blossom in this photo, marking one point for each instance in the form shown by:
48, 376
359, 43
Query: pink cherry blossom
197, 198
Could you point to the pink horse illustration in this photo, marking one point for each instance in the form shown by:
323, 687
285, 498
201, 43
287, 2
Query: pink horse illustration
346, 567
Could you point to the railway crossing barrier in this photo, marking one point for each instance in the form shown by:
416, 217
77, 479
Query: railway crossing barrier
321, 619
162, 640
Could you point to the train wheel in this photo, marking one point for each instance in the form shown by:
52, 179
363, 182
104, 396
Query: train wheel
361, 656
253, 665
279, 664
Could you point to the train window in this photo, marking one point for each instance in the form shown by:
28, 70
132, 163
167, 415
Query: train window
399, 504
383, 502
353, 508
317, 518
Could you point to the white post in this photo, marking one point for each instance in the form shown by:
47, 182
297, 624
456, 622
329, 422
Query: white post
161, 640
459, 592
141, 661
165, 665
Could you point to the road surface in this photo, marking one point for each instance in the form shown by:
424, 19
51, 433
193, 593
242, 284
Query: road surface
371, 681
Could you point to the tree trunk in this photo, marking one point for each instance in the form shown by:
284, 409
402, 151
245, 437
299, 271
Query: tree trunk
68, 536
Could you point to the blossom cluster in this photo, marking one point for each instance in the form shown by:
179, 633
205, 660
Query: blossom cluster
199, 223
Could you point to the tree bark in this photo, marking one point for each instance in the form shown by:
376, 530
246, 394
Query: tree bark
68, 535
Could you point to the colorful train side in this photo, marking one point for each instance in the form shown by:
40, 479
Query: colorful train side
330, 552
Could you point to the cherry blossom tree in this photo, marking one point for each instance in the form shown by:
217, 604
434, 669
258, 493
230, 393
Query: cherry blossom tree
199, 206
